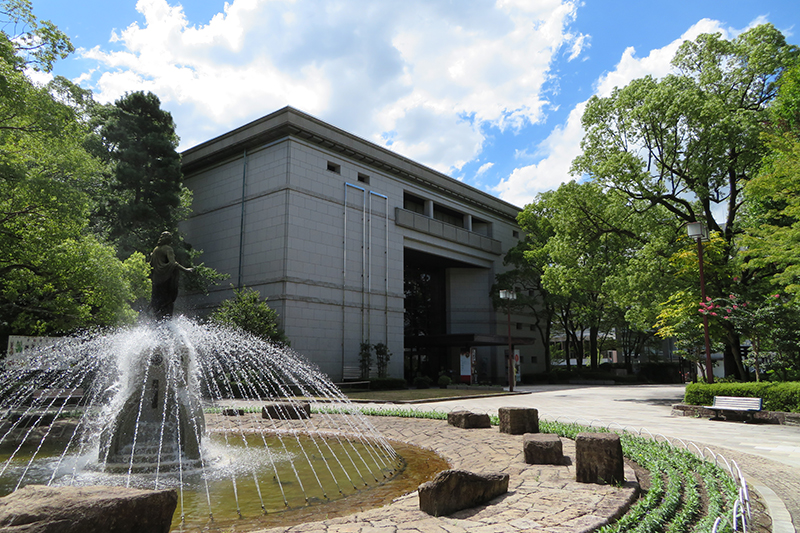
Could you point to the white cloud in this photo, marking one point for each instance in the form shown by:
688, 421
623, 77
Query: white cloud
563, 143
484, 167
656, 63
562, 146
371, 68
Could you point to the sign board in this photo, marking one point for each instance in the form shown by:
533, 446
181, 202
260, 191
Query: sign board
20, 348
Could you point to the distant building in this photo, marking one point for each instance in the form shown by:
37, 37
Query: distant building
352, 242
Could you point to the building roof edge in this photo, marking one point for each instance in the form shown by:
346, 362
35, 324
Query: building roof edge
289, 121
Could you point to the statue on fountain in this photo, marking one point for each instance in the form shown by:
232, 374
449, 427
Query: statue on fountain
165, 277
160, 423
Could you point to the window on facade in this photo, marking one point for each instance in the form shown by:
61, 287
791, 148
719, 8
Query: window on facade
515, 234
482, 227
333, 167
519, 325
363, 178
448, 215
413, 203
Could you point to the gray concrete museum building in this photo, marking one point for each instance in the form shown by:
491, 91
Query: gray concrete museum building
350, 242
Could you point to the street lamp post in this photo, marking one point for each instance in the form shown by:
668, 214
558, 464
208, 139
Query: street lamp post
508, 296
697, 231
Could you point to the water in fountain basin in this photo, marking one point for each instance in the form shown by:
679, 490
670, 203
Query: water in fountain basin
141, 421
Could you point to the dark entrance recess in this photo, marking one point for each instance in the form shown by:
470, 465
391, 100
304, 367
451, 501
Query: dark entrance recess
425, 306
427, 343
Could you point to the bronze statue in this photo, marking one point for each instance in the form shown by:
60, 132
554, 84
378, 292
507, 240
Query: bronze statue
165, 276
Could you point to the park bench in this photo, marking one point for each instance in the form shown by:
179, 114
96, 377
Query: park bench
735, 404
57, 397
351, 377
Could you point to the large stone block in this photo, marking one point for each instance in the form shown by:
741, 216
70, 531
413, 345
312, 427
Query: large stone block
468, 420
286, 410
40, 509
542, 449
518, 420
598, 458
454, 490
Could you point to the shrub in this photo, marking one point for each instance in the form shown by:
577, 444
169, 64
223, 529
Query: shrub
364, 359
247, 312
444, 381
382, 356
422, 382
387, 384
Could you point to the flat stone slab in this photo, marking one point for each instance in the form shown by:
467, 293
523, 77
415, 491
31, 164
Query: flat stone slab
518, 420
96, 509
286, 410
542, 449
468, 420
598, 458
454, 490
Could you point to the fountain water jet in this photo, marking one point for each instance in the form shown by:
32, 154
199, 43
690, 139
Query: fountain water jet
141, 421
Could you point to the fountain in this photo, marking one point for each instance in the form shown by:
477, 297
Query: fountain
146, 393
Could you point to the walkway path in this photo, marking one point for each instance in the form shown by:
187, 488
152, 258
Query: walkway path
769, 455
540, 498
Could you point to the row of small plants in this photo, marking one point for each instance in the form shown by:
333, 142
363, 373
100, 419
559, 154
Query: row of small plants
678, 479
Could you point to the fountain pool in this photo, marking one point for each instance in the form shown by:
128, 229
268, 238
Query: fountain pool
155, 412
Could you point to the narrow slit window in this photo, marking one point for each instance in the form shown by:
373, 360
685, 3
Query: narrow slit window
333, 167
363, 178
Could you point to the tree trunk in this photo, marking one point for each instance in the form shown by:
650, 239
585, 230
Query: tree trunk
732, 345
593, 355
548, 365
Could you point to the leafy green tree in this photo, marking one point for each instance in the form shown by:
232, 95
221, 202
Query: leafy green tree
528, 260
55, 277
773, 223
586, 263
678, 313
247, 312
38, 44
690, 141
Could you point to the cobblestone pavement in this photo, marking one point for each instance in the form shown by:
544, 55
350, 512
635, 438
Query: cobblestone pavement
768, 455
541, 498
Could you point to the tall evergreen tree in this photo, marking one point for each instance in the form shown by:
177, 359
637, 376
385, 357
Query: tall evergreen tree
147, 184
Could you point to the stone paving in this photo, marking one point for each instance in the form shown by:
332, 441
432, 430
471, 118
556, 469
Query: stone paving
541, 498
768, 455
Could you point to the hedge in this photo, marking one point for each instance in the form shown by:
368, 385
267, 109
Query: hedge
387, 384
778, 396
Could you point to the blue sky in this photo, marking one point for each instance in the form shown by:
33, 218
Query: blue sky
488, 92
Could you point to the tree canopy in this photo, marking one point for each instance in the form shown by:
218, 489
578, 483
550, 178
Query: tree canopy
247, 312
690, 142
56, 276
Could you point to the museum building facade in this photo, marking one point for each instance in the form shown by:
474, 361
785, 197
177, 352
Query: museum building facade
351, 242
